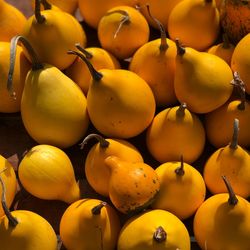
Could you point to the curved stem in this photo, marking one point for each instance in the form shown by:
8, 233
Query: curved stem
180, 49
46, 5
94, 73
164, 44
234, 141
160, 234
36, 65
84, 51
232, 200
103, 143
97, 209
180, 112
12, 220
39, 17
225, 41
180, 170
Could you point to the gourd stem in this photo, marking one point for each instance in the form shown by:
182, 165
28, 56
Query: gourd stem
180, 49
84, 51
225, 41
181, 110
237, 82
164, 45
94, 73
234, 141
232, 200
39, 17
160, 234
208, 1
97, 209
36, 65
12, 220
180, 170
103, 143
46, 5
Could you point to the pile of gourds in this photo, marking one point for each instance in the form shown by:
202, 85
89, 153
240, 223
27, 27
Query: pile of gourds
178, 89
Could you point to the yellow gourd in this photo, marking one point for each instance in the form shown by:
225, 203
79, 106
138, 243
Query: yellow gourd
202, 80
97, 173
182, 189
52, 33
132, 185
12, 21
173, 132
89, 224
26, 230
94, 10
47, 173
120, 103
8, 104
222, 222
154, 229
122, 30
100, 59
234, 162
8, 176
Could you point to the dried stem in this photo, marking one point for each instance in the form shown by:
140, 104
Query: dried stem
160, 234
234, 141
180, 112
232, 200
84, 51
39, 17
97, 209
103, 143
180, 170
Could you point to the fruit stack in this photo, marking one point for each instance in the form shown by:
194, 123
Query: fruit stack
124, 125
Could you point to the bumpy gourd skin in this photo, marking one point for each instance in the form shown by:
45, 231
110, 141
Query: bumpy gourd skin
32, 232
52, 39
53, 108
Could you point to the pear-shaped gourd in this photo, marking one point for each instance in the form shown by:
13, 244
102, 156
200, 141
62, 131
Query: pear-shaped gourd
96, 171
53, 107
222, 119
223, 222
232, 161
132, 186
8, 176
202, 80
52, 33
26, 230
173, 132
155, 63
192, 19
154, 229
89, 224
182, 189
120, 103
47, 173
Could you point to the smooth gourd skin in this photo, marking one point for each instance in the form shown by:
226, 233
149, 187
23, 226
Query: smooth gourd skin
79, 72
233, 163
130, 37
12, 21
179, 194
32, 232
8, 104
157, 68
9, 178
169, 136
218, 225
47, 173
97, 173
138, 231
53, 108
94, 10
222, 119
191, 19
202, 80
52, 39
80, 229
241, 61
121, 104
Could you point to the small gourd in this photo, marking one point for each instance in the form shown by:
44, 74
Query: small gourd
97, 173
182, 189
89, 224
47, 173
133, 186
154, 229
173, 132
223, 221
